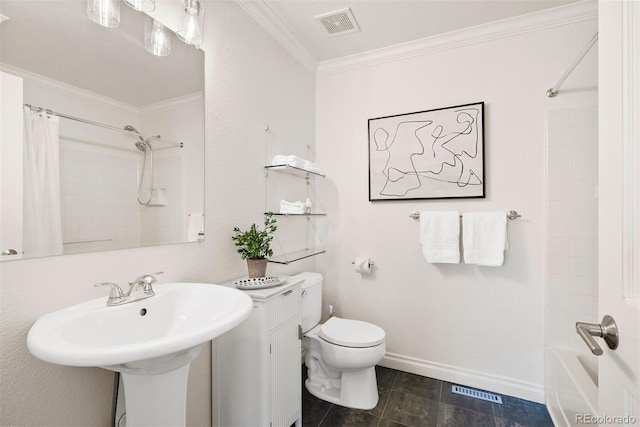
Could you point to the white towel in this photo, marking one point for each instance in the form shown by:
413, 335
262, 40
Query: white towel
195, 227
290, 160
484, 238
440, 236
313, 167
298, 162
292, 207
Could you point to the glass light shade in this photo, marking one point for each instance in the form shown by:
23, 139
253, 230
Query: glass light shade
191, 28
157, 39
104, 12
141, 5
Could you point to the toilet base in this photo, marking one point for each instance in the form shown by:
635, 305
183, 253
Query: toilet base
356, 389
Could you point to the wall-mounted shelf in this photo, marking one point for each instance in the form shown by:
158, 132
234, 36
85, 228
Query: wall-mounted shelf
295, 256
312, 243
294, 170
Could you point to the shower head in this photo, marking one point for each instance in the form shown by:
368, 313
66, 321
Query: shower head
141, 145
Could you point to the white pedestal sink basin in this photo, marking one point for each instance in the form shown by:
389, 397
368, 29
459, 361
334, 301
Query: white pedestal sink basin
150, 341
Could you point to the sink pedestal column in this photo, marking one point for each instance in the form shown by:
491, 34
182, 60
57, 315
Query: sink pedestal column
156, 400
155, 390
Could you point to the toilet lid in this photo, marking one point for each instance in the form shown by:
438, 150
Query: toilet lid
351, 333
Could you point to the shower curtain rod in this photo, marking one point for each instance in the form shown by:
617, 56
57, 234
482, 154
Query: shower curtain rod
102, 125
554, 90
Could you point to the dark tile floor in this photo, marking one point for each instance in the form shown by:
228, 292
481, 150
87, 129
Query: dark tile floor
408, 400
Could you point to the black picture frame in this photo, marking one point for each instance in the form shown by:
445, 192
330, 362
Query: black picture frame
431, 154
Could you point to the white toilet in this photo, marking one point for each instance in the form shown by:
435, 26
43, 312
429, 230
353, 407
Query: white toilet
341, 354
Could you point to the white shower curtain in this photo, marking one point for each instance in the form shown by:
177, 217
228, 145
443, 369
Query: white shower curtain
42, 228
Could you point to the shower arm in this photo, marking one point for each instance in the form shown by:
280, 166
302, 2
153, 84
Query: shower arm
607, 330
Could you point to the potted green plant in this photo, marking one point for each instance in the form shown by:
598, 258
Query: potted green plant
254, 245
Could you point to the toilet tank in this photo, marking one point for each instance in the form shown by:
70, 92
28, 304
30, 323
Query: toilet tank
311, 299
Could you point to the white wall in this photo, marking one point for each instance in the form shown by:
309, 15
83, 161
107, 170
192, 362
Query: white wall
250, 80
478, 326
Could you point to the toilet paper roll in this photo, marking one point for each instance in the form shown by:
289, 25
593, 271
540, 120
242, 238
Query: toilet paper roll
363, 265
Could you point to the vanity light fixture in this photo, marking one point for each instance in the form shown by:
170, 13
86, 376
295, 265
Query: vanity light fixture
141, 5
191, 28
104, 12
157, 39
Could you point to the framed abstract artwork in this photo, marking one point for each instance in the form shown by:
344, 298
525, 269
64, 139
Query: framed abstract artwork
433, 154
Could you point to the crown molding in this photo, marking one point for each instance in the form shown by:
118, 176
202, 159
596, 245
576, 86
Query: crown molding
549, 18
49, 83
260, 11
170, 104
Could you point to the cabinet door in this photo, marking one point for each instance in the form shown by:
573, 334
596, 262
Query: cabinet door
285, 374
238, 359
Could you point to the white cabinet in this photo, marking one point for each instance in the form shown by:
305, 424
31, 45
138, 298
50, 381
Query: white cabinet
256, 366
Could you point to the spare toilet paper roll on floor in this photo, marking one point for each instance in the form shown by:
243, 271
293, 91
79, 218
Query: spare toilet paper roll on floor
362, 265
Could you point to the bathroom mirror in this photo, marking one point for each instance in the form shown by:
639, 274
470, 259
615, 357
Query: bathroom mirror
116, 189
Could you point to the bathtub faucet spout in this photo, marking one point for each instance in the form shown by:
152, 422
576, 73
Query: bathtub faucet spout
607, 330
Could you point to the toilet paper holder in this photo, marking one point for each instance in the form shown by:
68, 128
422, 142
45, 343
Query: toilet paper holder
370, 262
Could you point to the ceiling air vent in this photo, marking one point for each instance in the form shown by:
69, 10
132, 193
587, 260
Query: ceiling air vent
338, 22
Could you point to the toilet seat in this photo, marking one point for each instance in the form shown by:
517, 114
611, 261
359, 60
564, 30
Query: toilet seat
351, 333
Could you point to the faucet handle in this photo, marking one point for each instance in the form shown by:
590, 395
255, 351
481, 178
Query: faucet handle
115, 295
146, 281
150, 279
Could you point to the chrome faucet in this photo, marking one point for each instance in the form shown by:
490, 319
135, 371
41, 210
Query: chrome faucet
139, 289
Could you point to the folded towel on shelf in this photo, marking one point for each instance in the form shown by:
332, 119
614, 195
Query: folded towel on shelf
297, 162
313, 167
292, 207
440, 236
195, 227
290, 160
484, 238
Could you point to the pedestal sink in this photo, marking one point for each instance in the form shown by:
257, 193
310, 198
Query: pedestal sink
151, 342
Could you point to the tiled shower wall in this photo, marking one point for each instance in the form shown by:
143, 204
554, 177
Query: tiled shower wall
99, 207
572, 208
164, 224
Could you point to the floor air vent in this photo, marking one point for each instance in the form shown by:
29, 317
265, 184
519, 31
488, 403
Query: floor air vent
476, 394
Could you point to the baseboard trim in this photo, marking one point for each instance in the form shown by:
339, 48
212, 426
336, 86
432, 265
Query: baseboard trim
495, 383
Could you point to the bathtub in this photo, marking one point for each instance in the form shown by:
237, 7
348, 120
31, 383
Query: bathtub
571, 385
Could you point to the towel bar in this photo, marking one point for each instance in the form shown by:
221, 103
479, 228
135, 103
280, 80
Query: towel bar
511, 215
